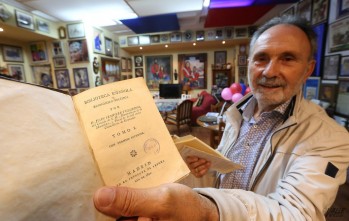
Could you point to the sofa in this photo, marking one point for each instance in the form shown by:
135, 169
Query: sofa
202, 105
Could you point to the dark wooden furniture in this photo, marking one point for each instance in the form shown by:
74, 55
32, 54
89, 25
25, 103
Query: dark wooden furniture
182, 115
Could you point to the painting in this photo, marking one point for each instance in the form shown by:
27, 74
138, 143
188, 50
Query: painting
220, 58
338, 35
243, 75
98, 41
42, 26
62, 78
132, 40
42, 75
176, 37
344, 67
319, 11
311, 88
242, 60
108, 47
328, 91
81, 77
76, 30
24, 20
78, 51
38, 51
12, 53
343, 8
57, 48
110, 70
59, 62
241, 32
342, 106
4, 13
193, 70
139, 72
16, 71
331, 67
304, 10
158, 70
116, 49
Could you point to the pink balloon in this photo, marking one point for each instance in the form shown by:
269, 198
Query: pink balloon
236, 97
226, 94
235, 88
248, 90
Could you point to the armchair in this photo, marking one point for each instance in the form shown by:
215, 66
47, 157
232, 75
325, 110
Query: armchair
204, 107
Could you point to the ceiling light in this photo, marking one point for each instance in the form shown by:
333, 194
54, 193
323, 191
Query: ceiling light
166, 46
141, 48
223, 42
1, 29
194, 43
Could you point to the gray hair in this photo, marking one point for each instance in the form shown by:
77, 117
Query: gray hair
288, 20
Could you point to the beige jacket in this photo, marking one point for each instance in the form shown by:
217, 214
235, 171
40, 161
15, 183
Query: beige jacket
289, 181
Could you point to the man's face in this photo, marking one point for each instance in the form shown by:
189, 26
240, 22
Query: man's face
279, 64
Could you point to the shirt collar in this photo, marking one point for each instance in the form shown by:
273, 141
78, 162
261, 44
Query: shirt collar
249, 106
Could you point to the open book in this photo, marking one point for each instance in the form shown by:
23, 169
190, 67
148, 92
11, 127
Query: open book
56, 150
192, 146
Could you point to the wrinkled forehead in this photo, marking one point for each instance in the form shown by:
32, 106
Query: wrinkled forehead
283, 36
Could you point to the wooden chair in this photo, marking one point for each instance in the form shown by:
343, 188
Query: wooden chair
181, 116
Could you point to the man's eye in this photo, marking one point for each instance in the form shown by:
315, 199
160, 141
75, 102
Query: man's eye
288, 58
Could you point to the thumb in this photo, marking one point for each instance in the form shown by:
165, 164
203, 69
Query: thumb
124, 202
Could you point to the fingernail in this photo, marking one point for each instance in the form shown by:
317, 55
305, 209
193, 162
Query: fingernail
105, 196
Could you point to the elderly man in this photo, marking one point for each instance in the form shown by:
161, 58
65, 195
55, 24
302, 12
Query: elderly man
294, 155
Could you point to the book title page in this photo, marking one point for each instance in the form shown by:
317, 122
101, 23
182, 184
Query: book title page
128, 137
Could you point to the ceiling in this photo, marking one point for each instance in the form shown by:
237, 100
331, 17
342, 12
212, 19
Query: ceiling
127, 17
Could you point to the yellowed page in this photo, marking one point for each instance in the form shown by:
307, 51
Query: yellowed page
46, 169
192, 146
129, 139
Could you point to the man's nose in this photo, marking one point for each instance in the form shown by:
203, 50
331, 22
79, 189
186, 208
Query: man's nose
272, 69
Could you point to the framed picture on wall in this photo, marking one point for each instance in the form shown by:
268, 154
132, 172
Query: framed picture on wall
59, 62
24, 20
81, 77
158, 70
342, 106
110, 69
42, 75
220, 58
319, 11
98, 41
57, 48
12, 53
344, 67
329, 91
116, 49
242, 60
62, 78
337, 35
139, 72
192, 70
38, 51
304, 9
343, 8
108, 47
123, 64
331, 67
78, 51
16, 71
76, 30
311, 88
42, 26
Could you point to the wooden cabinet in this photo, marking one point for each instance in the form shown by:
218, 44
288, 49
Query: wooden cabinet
222, 78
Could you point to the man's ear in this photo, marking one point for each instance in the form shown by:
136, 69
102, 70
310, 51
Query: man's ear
310, 69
